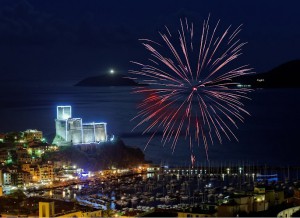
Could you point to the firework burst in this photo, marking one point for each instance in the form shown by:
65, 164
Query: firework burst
191, 89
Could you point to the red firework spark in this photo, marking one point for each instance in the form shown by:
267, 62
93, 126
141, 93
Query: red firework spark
191, 90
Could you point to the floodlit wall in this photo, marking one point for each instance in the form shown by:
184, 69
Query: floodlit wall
100, 132
88, 133
76, 136
61, 127
64, 112
46, 209
74, 131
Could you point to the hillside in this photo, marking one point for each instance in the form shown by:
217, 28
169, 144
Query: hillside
100, 157
283, 76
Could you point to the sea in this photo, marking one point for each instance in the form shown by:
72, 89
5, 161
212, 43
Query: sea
269, 135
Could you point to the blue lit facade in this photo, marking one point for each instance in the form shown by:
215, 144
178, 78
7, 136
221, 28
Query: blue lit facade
74, 131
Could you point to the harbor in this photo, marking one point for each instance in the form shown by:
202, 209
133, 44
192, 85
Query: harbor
168, 189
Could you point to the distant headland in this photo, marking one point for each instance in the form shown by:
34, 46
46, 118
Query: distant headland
283, 76
108, 80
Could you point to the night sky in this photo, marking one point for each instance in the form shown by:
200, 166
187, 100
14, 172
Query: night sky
44, 43
70, 40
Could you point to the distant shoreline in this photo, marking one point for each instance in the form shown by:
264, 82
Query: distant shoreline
108, 80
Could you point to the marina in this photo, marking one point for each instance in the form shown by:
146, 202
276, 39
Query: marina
171, 188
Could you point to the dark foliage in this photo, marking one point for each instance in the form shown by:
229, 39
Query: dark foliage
100, 156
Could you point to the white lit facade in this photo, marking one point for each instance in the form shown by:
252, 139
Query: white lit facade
73, 130
94, 132
64, 112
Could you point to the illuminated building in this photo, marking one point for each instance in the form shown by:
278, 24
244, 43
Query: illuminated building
6, 177
94, 132
33, 134
26, 167
73, 131
46, 172
35, 173
64, 112
47, 209
23, 178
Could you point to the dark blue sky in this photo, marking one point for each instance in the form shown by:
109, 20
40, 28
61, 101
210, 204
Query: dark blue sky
79, 38
63, 41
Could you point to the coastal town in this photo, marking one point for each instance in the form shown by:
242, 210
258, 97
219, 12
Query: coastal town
34, 186
149, 109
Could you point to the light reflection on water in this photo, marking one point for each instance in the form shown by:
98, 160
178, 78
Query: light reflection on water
269, 135
179, 185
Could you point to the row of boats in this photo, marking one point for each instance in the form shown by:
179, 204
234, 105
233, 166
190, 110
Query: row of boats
144, 192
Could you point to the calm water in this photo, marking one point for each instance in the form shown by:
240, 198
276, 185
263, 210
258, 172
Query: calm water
268, 136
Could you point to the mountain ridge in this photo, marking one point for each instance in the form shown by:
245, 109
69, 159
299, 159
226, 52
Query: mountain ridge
284, 75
